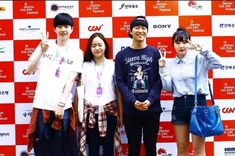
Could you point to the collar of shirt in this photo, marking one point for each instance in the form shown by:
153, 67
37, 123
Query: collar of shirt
185, 59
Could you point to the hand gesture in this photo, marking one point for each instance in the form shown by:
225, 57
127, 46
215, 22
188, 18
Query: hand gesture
44, 43
162, 60
193, 46
139, 105
146, 104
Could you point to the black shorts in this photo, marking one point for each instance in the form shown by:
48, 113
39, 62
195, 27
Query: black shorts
182, 108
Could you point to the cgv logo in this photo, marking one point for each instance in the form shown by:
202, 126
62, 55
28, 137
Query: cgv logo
95, 28
228, 110
26, 73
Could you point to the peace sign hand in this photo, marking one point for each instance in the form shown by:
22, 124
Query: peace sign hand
44, 43
196, 47
162, 60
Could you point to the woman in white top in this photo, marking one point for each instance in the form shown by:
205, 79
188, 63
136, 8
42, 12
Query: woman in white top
100, 106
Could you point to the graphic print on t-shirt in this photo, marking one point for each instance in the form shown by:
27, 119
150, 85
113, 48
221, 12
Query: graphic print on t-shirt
138, 72
139, 82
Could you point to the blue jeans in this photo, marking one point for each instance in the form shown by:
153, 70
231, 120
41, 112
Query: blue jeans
44, 130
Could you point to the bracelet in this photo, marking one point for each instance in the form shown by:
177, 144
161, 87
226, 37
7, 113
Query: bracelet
61, 104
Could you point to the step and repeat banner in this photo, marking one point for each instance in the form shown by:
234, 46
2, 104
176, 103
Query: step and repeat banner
211, 24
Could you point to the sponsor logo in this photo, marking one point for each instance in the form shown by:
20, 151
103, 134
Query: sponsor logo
227, 25
55, 7
161, 26
128, 6
27, 113
4, 134
193, 4
2, 49
95, 28
228, 67
2, 8
24, 72
29, 29
228, 110
166, 111
163, 152
4, 92
229, 151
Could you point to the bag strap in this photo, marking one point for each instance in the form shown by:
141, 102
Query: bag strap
212, 97
195, 80
195, 83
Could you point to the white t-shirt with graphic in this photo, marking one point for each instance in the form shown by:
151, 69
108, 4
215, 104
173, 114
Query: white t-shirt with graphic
55, 67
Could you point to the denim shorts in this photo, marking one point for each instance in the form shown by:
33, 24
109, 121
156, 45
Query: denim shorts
182, 108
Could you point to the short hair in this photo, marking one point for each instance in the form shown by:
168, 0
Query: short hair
88, 54
63, 19
180, 35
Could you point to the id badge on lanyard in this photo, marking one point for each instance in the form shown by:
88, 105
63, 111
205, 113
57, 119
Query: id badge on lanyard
99, 89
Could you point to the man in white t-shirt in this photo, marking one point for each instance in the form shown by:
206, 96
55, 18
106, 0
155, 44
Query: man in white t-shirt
59, 62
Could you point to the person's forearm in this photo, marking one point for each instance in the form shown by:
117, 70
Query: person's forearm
33, 65
68, 88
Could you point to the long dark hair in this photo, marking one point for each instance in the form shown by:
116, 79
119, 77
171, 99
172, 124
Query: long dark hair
88, 54
180, 35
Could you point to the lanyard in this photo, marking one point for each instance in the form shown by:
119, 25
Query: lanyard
62, 60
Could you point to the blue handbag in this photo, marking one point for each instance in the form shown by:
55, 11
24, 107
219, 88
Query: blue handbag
205, 120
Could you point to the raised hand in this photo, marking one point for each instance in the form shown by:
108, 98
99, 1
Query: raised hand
193, 46
162, 60
44, 43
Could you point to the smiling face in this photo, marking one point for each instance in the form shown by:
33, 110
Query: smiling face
98, 47
139, 33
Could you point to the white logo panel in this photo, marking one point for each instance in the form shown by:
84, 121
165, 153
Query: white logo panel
21, 74
6, 50
227, 70
223, 25
194, 7
227, 109
28, 28
224, 148
6, 10
128, 8
7, 134
205, 42
162, 26
167, 109
88, 26
55, 7
7, 93
23, 113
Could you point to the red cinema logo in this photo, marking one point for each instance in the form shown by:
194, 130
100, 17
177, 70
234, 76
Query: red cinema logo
161, 151
24, 72
228, 110
95, 28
